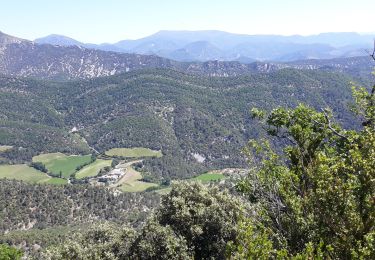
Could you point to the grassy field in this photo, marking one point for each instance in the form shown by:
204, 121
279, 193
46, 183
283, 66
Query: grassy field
25, 173
56, 162
56, 181
93, 168
47, 157
131, 182
136, 152
206, 177
164, 191
137, 186
3, 148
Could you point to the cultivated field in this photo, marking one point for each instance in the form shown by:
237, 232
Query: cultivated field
56, 162
93, 168
28, 174
164, 191
131, 181
136, 152
207, 177
56, 181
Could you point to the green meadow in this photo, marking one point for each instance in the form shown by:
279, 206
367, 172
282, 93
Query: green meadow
207, 177
25, 173
131, 182
136, 186
58, 162
136, 152
93, 168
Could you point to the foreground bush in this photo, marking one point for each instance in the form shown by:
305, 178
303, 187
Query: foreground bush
9, 253
193, 221
317, 198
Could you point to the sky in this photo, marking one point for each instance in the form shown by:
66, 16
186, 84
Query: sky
98, 21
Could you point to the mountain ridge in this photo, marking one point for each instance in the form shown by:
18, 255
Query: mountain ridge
6, 39
231, 46
28, 59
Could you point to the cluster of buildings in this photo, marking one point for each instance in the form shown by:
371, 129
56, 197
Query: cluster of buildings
113, 176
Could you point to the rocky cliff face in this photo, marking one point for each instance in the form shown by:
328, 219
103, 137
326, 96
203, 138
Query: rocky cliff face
6, 40
24, 58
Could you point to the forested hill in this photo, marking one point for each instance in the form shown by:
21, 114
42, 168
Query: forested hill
197, 122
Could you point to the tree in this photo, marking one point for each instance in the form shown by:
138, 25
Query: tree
193, 222
103, 241
39, 166
9, 253
205, 217
316, 198
114, 162
159, 242
93, 157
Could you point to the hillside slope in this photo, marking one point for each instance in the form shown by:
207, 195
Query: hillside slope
198, 123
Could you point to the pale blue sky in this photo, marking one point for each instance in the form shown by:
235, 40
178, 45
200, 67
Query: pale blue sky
99, 21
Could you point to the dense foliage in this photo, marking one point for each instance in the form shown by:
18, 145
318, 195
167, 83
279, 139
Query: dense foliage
312, 200
9, 253
316, 199
34, 240
186, 117
25, 206
310, 191
193, 221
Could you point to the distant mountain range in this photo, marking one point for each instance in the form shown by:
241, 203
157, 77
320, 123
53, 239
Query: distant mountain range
29, 59
223, 46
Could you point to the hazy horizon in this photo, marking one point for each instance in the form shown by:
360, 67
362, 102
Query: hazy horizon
286, 35
114, 20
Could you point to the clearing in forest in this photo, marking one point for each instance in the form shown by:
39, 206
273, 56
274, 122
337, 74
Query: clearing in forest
207, 177
28, 174
136, 152
58, 162
93, 168
131, 181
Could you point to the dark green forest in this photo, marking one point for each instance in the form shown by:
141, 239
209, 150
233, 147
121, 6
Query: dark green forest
42, 206
308, 194
165, 110
305, 137
314, 200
